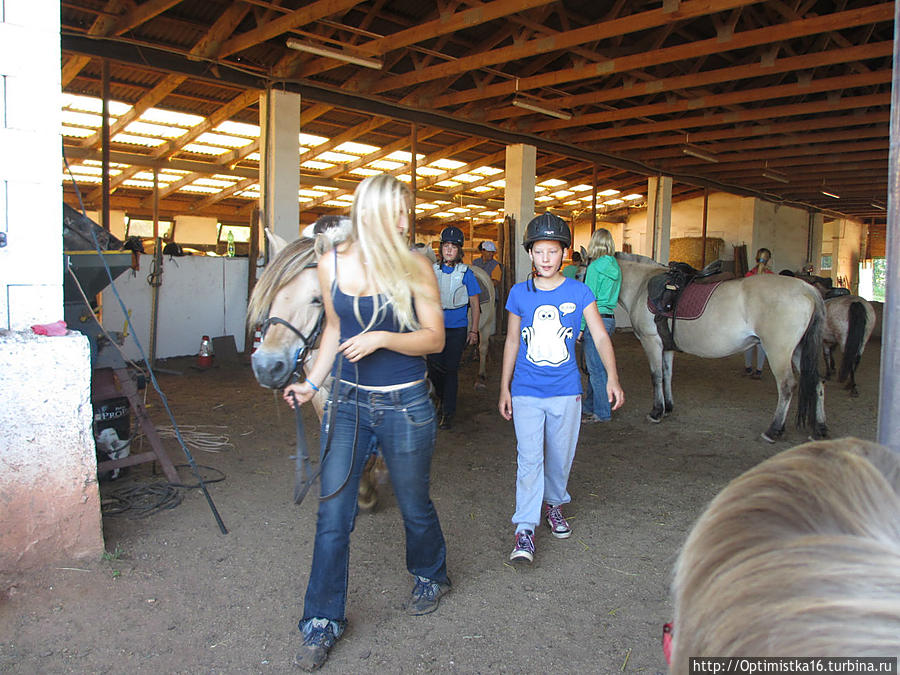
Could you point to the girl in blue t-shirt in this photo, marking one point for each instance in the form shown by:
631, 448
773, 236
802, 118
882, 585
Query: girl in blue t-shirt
540, 385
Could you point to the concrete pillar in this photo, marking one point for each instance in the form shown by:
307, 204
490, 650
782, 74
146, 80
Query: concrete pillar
279, 166
659, 216
521, 166
48, 467
816, 223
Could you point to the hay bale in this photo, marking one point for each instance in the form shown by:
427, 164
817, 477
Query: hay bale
690, 250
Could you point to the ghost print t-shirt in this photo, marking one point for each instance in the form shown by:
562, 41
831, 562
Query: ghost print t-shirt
550, 322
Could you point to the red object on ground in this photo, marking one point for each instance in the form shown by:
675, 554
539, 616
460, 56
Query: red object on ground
55, 329
205, 356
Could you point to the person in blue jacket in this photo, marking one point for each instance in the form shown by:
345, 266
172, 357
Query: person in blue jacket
459, 293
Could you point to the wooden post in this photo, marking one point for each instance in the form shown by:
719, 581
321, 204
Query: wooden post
703, 239
594, 201
104, 145
414, 142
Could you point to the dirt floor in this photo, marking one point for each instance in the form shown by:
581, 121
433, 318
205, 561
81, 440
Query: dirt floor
174, 595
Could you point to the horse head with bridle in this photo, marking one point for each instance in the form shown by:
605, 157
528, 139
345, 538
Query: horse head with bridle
287, 303
783, 314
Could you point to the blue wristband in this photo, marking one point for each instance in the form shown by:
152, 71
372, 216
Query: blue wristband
310, 383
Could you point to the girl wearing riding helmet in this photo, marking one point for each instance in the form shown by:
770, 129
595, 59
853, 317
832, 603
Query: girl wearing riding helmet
459, 292
763, 257
540, 385
382, 316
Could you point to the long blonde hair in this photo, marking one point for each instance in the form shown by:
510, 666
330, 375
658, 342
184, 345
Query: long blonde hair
601, 244
378, 203
798, 556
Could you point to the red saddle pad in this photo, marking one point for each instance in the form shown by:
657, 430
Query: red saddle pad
692, 302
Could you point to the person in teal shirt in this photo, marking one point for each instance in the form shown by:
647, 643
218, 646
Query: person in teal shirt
604, 278
571, 271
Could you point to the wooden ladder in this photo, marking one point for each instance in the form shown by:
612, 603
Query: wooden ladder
122, 384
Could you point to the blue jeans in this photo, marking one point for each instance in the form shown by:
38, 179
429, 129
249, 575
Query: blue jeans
402, 423
443, 368
595, 399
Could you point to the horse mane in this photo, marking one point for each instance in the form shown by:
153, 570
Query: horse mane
284, 268
637, 258
799, 555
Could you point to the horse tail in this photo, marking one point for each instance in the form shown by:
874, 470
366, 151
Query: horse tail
810, 349
853, 346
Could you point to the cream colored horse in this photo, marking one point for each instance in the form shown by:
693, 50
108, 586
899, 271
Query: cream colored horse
288, 289
784, 314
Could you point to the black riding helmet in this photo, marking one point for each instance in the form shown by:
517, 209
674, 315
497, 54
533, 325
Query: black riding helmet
547, 227
452, 235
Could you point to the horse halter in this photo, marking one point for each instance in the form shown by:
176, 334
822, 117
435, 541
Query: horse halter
307, 341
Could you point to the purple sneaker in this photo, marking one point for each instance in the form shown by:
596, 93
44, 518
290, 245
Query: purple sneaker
523, 551
559, 528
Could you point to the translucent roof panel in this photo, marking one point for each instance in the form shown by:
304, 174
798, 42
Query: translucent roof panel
227, 141
238, 129
311, 141
360, 149
131, 139
150, 129
171, 117
447, 164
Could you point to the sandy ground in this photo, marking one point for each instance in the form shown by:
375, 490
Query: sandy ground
174, 595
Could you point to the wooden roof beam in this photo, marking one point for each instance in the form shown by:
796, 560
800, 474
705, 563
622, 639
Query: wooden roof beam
599, 31
745, 39
779, 141
774, 128
445, 23
103, 24
299, 17
224, 113
720, 75
720, 100
142, 13
697, 121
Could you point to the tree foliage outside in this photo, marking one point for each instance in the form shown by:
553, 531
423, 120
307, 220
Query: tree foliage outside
879, 274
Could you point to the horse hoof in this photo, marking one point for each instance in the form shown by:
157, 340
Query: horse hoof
765, 436
480, 385
655, 420
854, 393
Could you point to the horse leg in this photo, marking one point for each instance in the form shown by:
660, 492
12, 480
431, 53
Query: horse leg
653, 348
667, 381
829, 361
851, 385
368, 496
821, 430
483, 344
783, 370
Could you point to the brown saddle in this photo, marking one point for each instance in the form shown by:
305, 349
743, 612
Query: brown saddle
682, 292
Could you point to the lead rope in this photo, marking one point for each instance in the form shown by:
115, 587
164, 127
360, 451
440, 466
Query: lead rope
302, 469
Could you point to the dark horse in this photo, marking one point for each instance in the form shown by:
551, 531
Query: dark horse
850, 320
785, 315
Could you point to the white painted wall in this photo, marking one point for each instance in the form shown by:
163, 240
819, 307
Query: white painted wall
48, 471
200, 295
30, 187
196, 230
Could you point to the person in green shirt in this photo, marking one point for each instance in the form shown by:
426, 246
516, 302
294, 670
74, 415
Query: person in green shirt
571, 271
604, 278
